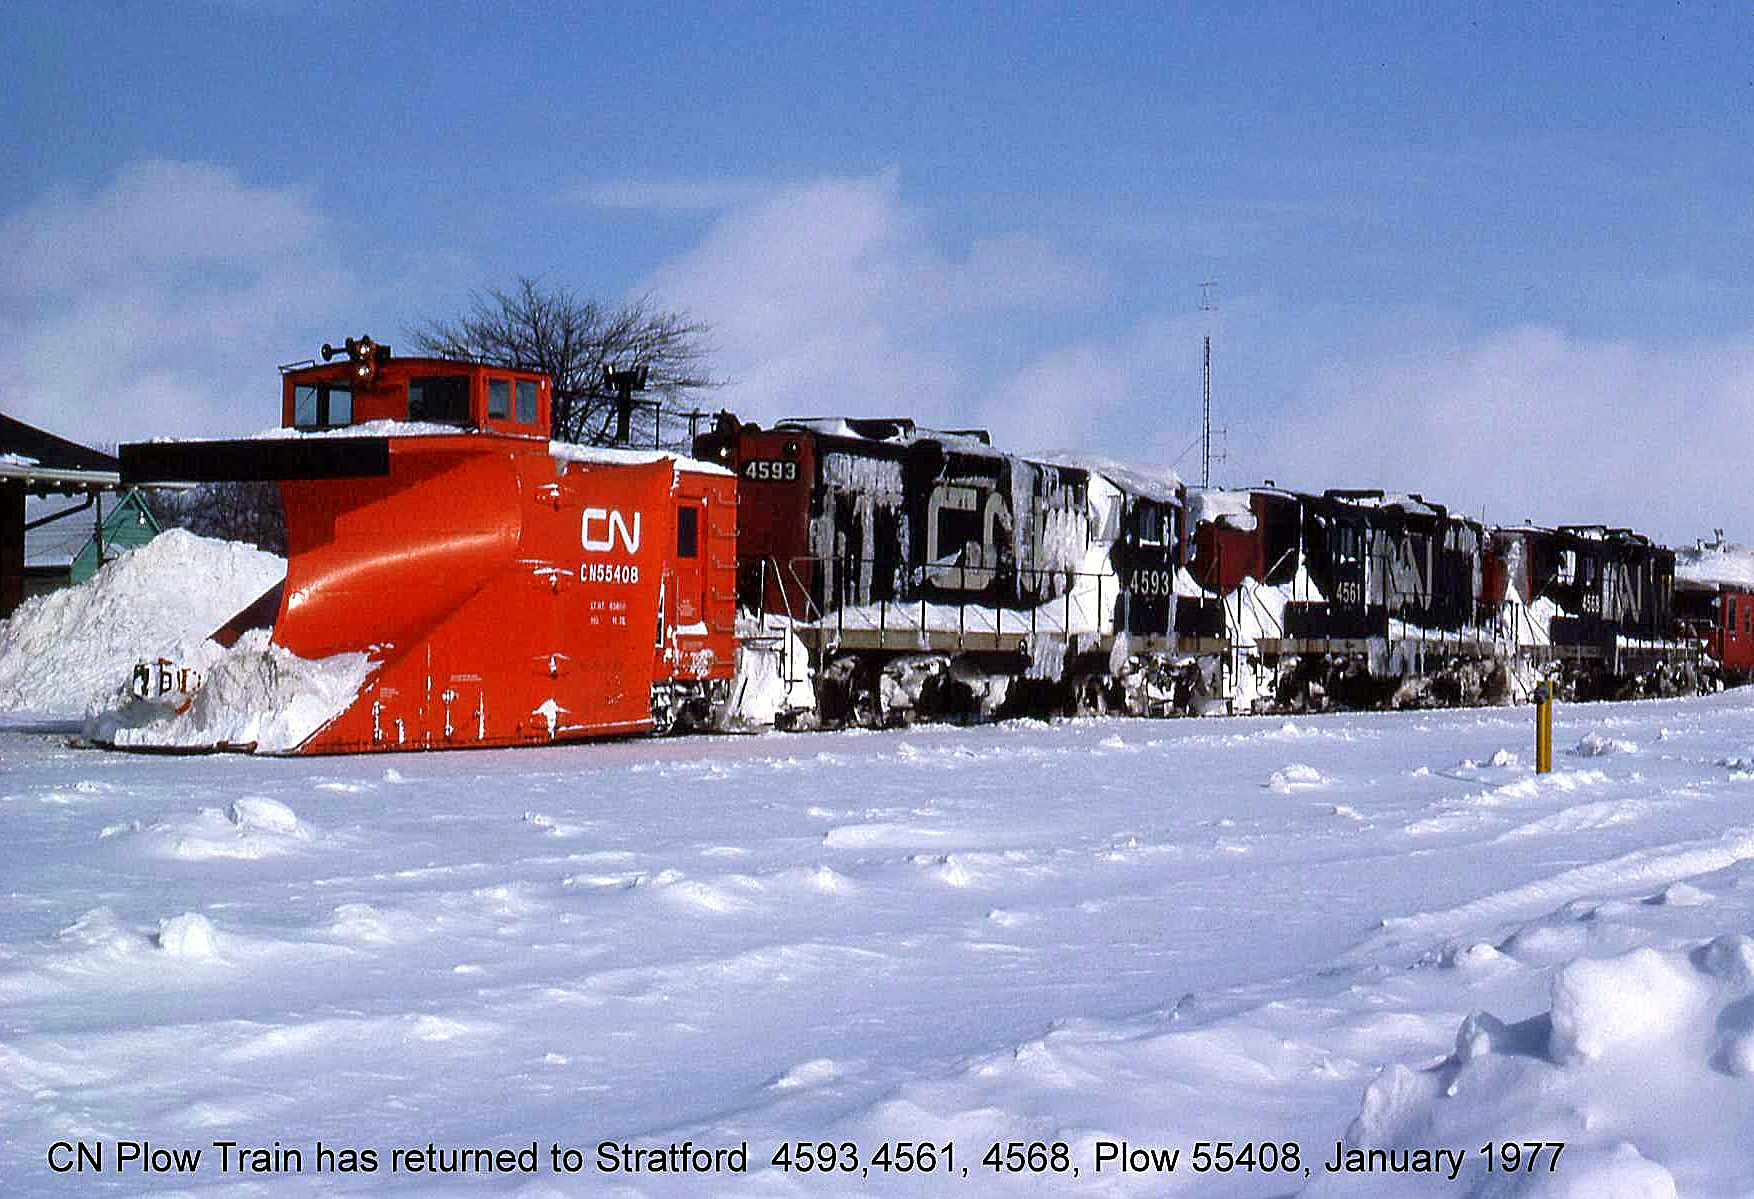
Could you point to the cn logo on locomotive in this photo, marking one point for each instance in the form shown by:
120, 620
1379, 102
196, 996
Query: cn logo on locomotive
610, 524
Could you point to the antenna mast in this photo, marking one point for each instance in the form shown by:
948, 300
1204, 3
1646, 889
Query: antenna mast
1208, 304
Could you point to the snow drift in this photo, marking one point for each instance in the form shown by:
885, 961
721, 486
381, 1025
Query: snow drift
60, 653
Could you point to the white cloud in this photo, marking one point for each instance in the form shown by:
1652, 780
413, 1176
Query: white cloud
833, 297
1131, 397
156, 304
677, 195
1533, 423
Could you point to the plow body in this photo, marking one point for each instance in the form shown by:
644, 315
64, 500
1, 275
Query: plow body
499, 589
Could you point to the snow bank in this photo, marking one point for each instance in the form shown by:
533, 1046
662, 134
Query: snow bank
1295, 777
1610, 1069
190, 935
256, 694
61, 652
253, 827
1594, 745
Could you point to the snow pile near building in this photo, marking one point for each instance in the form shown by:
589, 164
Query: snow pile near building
61, 652
1712, 566
255, 695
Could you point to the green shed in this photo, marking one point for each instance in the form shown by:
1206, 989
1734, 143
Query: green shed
131, 524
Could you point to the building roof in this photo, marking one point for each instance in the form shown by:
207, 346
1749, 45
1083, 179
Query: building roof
45, 462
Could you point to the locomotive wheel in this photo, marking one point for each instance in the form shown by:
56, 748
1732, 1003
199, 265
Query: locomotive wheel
666, 713
1094, 698
868, 705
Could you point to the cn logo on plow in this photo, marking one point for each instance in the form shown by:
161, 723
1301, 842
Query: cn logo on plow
603, 526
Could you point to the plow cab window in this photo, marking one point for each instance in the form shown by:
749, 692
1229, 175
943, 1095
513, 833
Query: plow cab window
499, 398
526, 402
442, 399
321, 406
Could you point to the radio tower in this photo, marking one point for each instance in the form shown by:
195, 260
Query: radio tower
1208, 304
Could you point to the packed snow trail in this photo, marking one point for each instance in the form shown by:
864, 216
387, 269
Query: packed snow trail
1083, 932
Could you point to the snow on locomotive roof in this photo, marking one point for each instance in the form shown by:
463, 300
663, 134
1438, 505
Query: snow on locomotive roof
890, 430
1158, 483
1411, 503
1219, 506
1713, 566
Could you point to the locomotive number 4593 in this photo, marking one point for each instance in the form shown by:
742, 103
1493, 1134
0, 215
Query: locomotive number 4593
771, 470
1153, 582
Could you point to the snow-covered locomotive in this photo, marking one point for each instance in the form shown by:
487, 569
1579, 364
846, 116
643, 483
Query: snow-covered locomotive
925, 572
1593, 605
929, 573
1357, 597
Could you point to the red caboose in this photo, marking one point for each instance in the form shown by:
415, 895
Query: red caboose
505, 589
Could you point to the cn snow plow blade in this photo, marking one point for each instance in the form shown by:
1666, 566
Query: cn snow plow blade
254, 460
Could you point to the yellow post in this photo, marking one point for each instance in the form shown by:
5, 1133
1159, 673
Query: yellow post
1544, 728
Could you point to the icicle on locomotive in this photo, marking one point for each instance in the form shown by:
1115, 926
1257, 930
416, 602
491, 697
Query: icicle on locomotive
491, 586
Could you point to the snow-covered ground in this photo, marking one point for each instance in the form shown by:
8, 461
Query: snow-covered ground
1376, 929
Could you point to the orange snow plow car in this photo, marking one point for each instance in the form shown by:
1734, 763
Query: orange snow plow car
502, 588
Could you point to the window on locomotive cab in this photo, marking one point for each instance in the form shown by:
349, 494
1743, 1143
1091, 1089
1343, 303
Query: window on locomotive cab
443, 399
499, 398
1150, 525
687, 532
304, 406
526, 402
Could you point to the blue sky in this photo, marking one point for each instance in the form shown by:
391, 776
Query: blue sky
1503, 255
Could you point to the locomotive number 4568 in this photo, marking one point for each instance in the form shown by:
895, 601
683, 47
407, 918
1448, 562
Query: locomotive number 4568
770, 470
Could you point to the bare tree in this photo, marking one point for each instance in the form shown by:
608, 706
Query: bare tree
248, 512
533, 326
